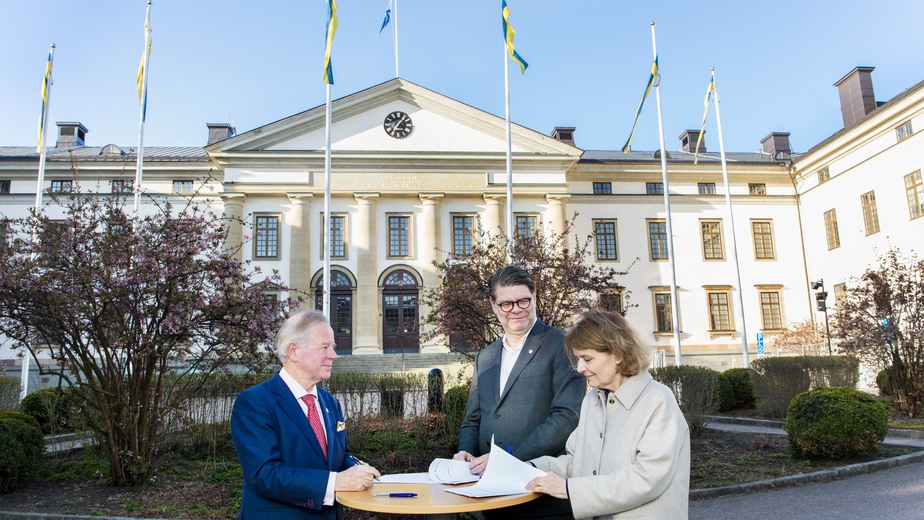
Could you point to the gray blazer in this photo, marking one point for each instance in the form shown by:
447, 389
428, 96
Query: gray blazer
538, 409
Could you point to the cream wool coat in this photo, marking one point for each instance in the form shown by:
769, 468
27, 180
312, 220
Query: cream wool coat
629, 456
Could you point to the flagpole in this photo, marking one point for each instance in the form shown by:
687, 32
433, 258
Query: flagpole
675, 318
143, 109
731, 219
39, 184
327, 218
396, 38
509, 224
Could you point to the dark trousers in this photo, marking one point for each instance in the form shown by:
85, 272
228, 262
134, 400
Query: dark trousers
543, 508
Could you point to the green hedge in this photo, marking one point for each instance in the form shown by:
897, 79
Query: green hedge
695, 388
735, 390
777, 380
836, 422
21, 447
21, 416
10, 388
57, 409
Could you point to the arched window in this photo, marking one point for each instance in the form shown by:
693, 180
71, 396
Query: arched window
341, 309
400, 319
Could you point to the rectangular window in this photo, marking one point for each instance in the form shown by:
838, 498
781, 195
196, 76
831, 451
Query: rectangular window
823, 175
657, 239
62, 186
463, 234
603, 188
762, 230
719, 316
611, 301
654, 188
4, 186
337, 236
904, 131
663, 316
605, 238
870, 214
526, 226
771, 314
840, 292
712, 239
123, 186
399, 236
757, 188
706, 188
914, 190
183, 187
266, 243
834, 239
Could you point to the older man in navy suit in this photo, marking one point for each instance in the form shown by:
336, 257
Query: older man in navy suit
525, 395
290, 435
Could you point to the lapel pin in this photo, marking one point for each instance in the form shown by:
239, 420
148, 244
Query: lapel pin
530, 352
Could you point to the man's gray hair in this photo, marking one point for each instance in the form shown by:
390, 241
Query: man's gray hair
295, 330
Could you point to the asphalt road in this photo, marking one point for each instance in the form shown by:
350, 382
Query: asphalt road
892, 494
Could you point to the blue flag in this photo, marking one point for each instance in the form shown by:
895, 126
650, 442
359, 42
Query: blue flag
387, 18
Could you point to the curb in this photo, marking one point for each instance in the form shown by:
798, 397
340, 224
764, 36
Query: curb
817, 477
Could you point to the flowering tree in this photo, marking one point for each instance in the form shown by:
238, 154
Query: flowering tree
882, 321
567, 283
805, 338
136, 314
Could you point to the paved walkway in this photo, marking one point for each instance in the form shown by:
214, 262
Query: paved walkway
889, 489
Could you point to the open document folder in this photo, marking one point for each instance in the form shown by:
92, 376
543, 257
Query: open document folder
442, 471
505, 475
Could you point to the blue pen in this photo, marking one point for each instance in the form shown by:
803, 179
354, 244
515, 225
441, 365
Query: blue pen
395, 495
357, 461
509, 450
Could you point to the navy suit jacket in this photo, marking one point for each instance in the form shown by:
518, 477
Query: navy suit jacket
285, 471
538, 409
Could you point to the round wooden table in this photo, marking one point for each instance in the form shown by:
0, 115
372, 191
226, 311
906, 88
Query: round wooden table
431, 499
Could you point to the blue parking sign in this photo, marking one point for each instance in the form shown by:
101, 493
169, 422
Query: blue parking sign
760, 343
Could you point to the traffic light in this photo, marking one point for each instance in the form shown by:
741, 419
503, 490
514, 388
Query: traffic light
820, 298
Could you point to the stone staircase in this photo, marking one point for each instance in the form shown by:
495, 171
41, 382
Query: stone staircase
404, 362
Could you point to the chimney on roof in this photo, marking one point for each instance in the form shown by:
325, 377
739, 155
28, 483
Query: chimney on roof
219, 131
564, 134
688, 141
856, 93
70, 134
777, 145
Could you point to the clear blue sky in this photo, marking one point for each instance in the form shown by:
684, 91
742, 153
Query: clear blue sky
253, 63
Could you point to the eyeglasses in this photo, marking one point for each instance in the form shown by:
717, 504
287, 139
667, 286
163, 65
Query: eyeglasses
522, 303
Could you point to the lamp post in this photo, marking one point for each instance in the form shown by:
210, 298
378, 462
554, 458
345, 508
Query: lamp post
820, 298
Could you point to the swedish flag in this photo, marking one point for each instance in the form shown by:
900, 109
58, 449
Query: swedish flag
329, 36
709, 90
145, 56
638, 113
45, 84
508, 37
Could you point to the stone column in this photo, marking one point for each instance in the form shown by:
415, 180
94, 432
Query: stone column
494, 214
430, 240
299, 257
233, 219
368, 307
557, 212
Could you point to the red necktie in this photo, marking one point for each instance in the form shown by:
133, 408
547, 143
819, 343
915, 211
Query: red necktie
315, 421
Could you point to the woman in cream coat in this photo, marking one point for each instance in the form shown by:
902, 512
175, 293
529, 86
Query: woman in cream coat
630, 454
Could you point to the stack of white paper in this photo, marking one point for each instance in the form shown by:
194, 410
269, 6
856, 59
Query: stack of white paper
505, 475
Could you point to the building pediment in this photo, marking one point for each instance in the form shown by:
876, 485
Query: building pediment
441, 126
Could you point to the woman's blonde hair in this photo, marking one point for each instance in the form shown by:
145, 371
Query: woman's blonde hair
609, 332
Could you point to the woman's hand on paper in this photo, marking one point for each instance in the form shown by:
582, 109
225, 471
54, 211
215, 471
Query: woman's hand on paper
550, 484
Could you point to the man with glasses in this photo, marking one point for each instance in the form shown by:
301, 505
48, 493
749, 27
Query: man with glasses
525, 394
290, 435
